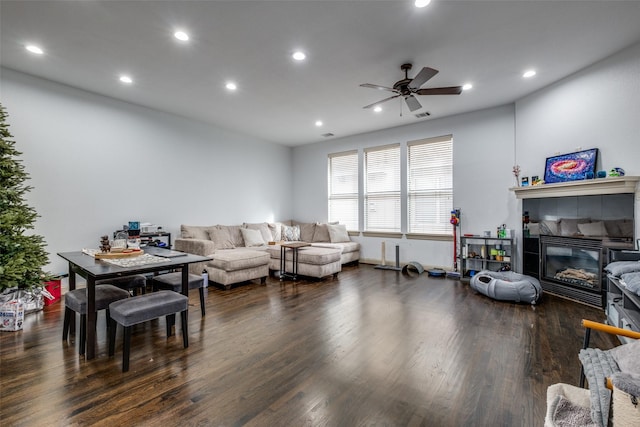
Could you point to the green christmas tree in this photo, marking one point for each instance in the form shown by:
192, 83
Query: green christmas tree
22, 256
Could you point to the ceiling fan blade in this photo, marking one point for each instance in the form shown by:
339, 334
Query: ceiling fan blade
380, 102
412, 103
369, 85
452, 90
425, 74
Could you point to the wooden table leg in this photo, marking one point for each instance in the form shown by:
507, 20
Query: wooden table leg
91, 318
72, 287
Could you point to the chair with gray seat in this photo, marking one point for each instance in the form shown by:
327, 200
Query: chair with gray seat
142, 308
130, 283
173, 282
75, 301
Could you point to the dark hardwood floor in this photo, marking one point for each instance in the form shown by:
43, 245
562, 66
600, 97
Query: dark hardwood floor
372, 348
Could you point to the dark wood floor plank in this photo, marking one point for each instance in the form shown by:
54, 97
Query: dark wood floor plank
372, 347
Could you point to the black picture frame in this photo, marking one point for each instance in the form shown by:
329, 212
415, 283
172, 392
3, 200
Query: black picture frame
571, 166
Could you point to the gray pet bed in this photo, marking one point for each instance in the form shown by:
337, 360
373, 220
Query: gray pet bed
507, 286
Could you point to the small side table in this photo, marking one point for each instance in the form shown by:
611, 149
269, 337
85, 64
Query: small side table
294, 246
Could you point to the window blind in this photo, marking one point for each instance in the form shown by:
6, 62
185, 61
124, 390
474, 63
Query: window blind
382, 189
430, 185
343, 189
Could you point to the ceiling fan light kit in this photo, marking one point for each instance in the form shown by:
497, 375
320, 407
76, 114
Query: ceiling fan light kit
407, 88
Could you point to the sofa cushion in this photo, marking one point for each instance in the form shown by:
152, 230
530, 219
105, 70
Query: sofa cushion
220, 237
290, 233
321, 233
345, 247
194, 232
307, 229
315, 255
252, 237
338, 233
263, 227
238, 259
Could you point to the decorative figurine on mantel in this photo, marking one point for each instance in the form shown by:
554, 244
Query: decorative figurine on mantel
105, 247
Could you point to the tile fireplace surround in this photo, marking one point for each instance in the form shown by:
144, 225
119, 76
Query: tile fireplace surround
601, 201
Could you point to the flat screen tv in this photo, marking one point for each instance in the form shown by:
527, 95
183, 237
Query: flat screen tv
571, 166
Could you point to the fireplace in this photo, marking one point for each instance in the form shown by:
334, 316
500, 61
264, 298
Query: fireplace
572, 267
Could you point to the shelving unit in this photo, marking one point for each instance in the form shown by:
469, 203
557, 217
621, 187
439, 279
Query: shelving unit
475, 253
623, 307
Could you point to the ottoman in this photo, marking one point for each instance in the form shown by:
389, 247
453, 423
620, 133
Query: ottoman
231, 266
313, 261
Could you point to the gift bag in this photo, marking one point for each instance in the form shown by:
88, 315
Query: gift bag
11, 315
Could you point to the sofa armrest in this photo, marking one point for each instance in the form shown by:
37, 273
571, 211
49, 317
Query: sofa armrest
195, 246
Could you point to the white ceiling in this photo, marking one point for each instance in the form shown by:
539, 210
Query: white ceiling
487, 43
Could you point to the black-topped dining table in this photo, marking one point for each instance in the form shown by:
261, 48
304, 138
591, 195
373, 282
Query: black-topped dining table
92, 270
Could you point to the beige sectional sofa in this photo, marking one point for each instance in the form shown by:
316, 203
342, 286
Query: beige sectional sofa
250, 251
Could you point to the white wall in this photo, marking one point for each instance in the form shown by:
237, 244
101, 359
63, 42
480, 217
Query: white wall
598, 107
96, 163
483, 159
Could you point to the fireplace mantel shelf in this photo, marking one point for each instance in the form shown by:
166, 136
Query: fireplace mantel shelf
590, 187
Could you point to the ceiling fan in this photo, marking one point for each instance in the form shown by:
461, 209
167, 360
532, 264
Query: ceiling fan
408, 87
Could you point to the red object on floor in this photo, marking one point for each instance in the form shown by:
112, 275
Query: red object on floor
54, 287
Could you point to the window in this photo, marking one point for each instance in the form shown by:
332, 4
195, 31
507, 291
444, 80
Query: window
430, 185
343, 189
382, 189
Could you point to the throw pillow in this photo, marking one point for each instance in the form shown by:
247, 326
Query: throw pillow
321, 234
626, 228
569, 226
306, 230
220, 237
276, 231
252, 237
593, 229
549, 227
290, 233
263, 227
338, 233
613, 230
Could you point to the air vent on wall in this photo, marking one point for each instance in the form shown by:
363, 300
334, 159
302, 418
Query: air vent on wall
421, 115
327, 135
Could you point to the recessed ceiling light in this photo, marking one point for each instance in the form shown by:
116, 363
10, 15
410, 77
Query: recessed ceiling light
299, 56
377, 108
467, 86
422, 3
529, 73
319, 123
126, 79
231, 86
181, 35
34, 49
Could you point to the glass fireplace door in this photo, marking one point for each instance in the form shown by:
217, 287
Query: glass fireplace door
572, 262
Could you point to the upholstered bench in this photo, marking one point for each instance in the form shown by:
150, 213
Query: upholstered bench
313, 261
143, 308
173, 282
75, 301
236, 266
